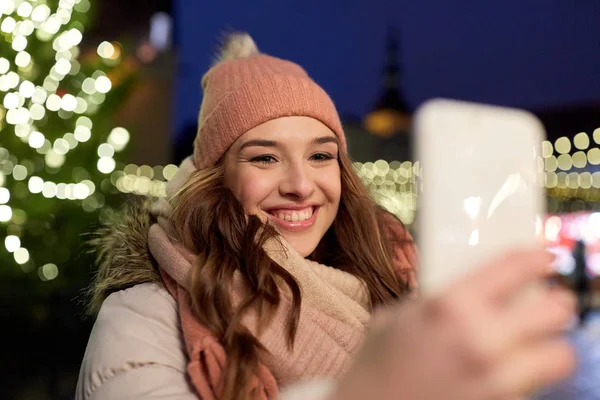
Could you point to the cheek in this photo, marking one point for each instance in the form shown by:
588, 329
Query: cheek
331, 185
251, 188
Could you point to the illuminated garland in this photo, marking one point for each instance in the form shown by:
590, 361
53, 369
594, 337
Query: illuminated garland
24, 104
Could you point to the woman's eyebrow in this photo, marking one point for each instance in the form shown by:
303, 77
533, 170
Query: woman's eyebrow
259, 143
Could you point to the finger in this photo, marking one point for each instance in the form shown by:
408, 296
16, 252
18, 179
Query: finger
534, 367
545, 313
502, 277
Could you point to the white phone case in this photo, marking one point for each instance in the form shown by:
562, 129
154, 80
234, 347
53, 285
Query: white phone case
482, 186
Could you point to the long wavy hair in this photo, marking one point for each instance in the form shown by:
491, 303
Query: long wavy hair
211, 222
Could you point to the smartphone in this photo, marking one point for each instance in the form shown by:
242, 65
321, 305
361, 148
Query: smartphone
481, 186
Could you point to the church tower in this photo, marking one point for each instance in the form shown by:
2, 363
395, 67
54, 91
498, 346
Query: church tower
391, 114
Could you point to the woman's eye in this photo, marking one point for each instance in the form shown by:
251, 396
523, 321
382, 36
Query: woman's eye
321, 157
264, 159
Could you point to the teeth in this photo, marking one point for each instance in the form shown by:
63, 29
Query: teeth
294, 216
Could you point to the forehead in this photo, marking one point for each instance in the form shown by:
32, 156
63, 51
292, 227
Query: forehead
288, 130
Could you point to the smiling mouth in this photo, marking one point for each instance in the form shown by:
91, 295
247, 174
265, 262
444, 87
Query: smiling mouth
294, 220
293, 215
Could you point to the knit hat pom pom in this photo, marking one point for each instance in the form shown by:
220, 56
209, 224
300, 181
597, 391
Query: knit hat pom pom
237, 45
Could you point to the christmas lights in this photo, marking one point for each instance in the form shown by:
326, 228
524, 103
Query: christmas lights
48, 102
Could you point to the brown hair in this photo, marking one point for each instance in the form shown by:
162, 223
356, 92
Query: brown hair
211, 222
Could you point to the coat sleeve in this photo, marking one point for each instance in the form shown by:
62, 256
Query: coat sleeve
315, 389
147, 382
136, 349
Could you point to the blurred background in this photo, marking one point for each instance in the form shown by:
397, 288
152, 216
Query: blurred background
100, 100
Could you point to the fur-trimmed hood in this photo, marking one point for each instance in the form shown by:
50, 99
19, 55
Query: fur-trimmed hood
123, 258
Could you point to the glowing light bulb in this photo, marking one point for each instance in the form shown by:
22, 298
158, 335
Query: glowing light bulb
75, 36
37, 112
50, 84
27, 89
593, 156
7, 7
19, 172
83, 6
36, 140
23, 59
52, 25
11, 100
40, 13
562, 145
13, 79
26, 28
106, 50
54, 159
68, 102
19, 43
22, 130
61, 146
5, 213
12, 243
24, 9
89, 86
579, 159
106, 150
21, 255
169, 171
63, 66
84, 121
90, 185
106, 165
70, 138
596, 135
39, 95
53, 102
4, 65
22, 115
82, 133
64, 15
49, 189
8, 25
4, 195
81, 191
581, 141
103, 84
49, 272
82, 106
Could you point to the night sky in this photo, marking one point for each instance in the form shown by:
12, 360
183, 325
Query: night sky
526, 53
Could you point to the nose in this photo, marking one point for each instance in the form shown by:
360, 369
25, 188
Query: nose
298, 182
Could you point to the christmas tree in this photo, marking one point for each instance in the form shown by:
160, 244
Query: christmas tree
58, 141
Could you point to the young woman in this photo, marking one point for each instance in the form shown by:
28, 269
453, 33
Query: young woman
256, 278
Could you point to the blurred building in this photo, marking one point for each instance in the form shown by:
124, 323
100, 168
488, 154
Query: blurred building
384, 133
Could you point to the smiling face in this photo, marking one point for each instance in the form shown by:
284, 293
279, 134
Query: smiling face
286, 171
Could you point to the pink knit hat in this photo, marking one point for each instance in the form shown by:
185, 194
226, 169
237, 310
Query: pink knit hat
245, 89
